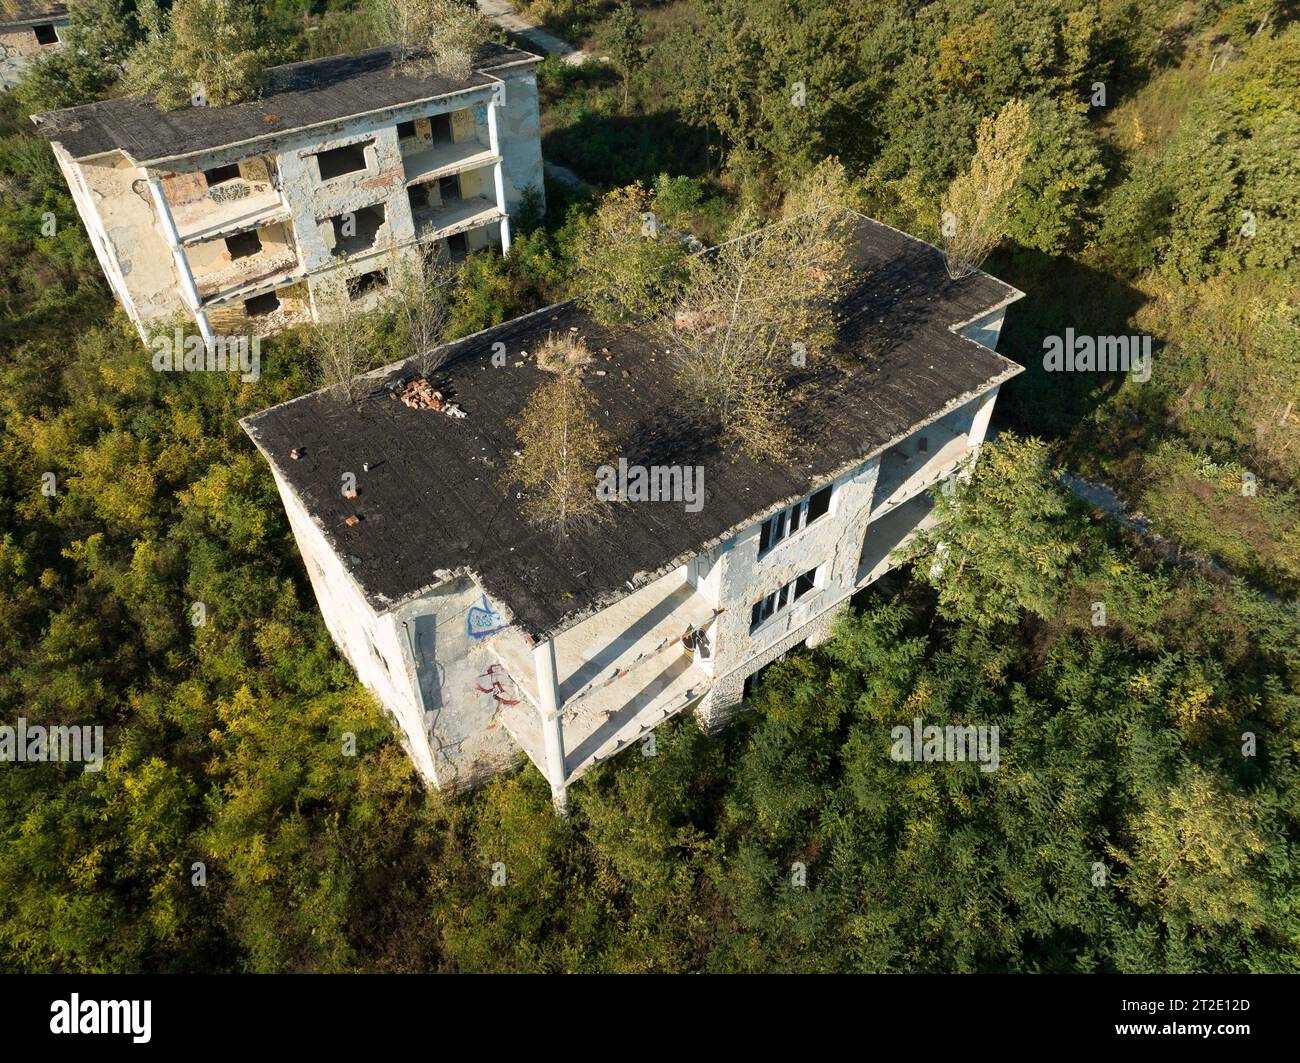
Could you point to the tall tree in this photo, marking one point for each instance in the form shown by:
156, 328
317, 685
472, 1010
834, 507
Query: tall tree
343, 341
207, 50
626, 263
978, 203
752, 310
421, 290
1006, 537
627, 37
561, 445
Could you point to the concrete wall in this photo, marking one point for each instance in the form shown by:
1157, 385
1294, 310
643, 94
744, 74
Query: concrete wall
114, 206
520, 134
986, 330
19, 46
423, 661
832, 543
460, 684
123, 214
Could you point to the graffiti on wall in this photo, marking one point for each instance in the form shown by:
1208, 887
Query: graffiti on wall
483, 620
494, 681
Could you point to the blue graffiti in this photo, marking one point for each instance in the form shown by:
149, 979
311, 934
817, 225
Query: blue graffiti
483, 620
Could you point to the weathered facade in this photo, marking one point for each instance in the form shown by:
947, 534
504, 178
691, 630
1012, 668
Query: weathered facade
484, 636
254, 216
28, 28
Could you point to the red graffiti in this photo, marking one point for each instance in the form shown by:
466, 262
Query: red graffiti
495, 687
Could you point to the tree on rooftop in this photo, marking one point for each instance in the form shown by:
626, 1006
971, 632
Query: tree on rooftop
421, 288
441, 36
626, 264
343, 343
755, 309
978, 203
560, 447
626, 49
203, 48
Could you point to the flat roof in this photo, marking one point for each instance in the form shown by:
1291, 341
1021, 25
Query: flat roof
297, 96
431, 505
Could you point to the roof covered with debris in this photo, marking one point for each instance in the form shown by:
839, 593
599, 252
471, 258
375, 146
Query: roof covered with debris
432, 503
297, 96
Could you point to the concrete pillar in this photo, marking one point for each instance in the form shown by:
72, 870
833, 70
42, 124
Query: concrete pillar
188, 286
548, 687
498, 176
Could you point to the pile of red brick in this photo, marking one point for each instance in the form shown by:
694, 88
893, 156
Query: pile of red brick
419, 394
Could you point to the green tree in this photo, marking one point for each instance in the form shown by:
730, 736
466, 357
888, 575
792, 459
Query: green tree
207, 47
1005, 540
626, 44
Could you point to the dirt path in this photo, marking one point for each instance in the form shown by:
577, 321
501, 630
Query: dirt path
503, 13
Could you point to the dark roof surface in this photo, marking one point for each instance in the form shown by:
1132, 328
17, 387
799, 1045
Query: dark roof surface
433, 503
15, 12
297, 95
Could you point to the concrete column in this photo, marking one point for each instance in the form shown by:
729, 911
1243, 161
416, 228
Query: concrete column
498, 176
548, 686
188, 286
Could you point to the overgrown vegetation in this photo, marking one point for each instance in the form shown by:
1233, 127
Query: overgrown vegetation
1158, 746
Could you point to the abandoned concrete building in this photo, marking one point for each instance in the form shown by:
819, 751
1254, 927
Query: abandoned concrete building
253, 216
484, 635
28, 28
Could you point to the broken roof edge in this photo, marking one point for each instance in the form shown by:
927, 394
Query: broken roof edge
46, 120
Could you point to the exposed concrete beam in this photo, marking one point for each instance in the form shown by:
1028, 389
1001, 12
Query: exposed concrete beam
548, 686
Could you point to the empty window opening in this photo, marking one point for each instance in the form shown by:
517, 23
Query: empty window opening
405, 130
45, 34
241, 245
449, 188
367, 282
819, 504
458, 247
419, 198
261, 305
357, 230
782, 598
338, 161
221, 173
441, 126
788, 521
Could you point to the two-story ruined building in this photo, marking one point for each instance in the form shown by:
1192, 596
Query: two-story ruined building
28, 28
249, 217
484, 635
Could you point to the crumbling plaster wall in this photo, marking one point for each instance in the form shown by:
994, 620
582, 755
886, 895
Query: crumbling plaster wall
460, 682
834, 540
215, 271
19, 46
118, 196
520, 136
